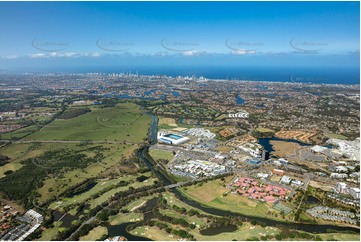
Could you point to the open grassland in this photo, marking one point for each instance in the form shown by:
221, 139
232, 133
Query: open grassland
94, 234
20, 152
161, 154
46, 170
124, 122
283, 148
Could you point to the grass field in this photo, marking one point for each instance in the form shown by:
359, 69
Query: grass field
125, 122
137, 203
154, 233
172, 200
19, 133
125, 218
104, 197
336, 136
17, 153
283, 148
167, 121
94, 234
207, 192
265, 130
244, 232
50, 233
340, 237
161, 154
199, 222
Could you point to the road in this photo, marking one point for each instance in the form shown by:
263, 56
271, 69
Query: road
306, 183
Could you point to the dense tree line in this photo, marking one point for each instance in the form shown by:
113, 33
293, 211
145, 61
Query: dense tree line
80, 188
72, 113
4, 159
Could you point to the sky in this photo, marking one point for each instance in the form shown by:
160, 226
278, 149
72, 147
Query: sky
49, 36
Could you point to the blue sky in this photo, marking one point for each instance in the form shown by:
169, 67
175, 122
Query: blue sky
45, 35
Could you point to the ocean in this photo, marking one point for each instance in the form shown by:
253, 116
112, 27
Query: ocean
347, 76
318, 75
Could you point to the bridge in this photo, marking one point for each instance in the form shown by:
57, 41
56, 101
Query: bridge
175, 185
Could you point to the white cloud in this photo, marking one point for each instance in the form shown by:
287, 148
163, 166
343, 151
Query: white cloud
38, 55
243, 52
9, 57
190, 52
64, 55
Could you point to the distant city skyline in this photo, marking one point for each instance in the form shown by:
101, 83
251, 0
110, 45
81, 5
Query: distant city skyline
45, 36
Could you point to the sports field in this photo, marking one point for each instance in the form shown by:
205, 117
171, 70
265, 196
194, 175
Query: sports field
281, 207
161, 154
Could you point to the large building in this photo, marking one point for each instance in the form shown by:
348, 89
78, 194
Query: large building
341, 187
355, 193
285, 180
171, 139
278, 172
